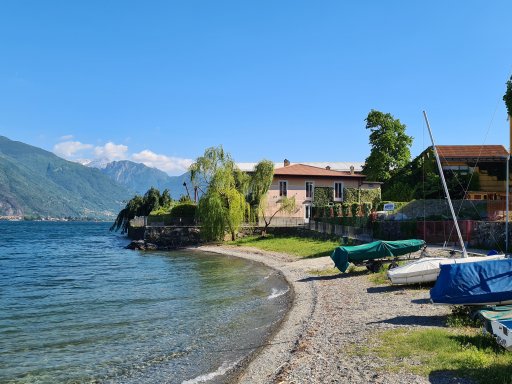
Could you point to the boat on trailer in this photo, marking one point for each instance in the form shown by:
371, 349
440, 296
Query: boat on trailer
374, 254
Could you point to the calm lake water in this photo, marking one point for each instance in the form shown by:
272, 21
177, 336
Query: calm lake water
75, 306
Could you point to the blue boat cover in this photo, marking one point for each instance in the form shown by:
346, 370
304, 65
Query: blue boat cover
343, 255
480, 282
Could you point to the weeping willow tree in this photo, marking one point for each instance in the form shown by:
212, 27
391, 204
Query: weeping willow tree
258, 187
223, 207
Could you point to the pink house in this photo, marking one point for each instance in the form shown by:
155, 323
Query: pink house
300, 180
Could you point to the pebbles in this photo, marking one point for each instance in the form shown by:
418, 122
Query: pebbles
331, 318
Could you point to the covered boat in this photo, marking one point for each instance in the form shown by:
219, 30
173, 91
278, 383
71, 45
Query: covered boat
478, 283
344, 255
426, 270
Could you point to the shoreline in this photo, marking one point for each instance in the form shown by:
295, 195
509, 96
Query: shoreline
266, 363
329, 319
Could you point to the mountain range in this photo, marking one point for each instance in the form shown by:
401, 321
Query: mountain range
138, 178
35, 182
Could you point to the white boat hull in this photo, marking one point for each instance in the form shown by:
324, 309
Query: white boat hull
502, 334
426, 270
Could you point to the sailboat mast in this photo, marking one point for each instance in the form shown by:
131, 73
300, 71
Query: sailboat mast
446, 192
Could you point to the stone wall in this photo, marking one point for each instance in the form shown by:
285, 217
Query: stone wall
172, 237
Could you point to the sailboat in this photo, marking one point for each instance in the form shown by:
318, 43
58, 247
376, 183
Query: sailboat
427, 269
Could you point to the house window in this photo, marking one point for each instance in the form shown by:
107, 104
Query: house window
283, 188
338, 191
309, 189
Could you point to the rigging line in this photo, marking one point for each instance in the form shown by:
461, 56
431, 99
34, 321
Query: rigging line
423, 185
465, 189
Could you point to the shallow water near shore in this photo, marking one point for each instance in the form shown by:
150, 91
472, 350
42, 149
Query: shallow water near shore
78, 307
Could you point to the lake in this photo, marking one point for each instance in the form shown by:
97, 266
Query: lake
78, 307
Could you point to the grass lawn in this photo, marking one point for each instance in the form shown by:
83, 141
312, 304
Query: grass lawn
464, 351
296, 246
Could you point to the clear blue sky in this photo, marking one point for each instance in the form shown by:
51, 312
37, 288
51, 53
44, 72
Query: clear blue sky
159, 81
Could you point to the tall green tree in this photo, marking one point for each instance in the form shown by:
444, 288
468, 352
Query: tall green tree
390, 146
222, 208
137, 206
507, 97
165, 198
259, 185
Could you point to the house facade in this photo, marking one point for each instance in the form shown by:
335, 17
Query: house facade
302, 182
488, 161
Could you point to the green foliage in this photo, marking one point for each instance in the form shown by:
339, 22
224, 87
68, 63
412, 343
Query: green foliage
461, 351
345, 208
185, 200
420, 179
351, 195
462, 316
165, 199
357, 195
367, 208
161, 211
338, 210
354, 209
223, 207
292, 245
389, 146
400, 191
186, 210
323, 196
205, 167
258, 186
137, 206
287, 205
211, 211
507, 97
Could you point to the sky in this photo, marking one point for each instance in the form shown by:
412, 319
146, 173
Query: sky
158, 82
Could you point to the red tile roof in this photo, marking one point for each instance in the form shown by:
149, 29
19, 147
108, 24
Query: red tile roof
308, 170
460, 152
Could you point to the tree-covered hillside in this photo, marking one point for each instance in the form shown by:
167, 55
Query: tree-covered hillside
36, 182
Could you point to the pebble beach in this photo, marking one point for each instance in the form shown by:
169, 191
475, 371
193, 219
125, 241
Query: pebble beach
330, 318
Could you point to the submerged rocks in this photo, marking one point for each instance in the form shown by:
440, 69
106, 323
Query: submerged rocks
142, 245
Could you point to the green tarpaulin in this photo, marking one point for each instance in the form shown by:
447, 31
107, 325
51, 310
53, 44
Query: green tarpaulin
344, 255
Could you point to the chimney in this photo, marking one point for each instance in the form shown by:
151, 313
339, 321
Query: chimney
351, 169
286, 162
328, 167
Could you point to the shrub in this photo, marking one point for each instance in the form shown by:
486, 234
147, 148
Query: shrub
186, 210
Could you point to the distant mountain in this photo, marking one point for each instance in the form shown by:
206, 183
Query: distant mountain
37, 182
96, 163
138, 178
